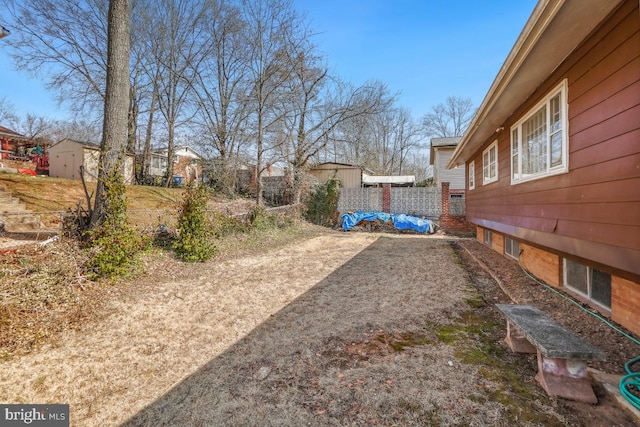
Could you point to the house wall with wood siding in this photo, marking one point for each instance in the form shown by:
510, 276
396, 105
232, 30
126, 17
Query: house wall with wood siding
455, 177
590, 214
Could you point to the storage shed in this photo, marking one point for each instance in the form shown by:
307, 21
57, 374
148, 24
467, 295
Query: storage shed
66, 157
350, 176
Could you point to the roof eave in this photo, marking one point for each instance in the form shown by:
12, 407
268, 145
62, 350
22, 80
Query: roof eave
554, 29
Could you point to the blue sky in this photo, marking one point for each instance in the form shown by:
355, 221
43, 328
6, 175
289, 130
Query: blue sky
425, 49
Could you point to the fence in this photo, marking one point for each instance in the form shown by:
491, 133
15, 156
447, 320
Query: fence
416, 201
435, 203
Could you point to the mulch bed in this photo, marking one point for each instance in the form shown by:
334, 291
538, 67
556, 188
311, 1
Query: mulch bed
522, 289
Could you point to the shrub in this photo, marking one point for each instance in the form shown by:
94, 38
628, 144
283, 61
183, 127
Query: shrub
194, 242
114, 243
323, 203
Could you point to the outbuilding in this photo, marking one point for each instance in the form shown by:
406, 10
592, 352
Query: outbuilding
66, 157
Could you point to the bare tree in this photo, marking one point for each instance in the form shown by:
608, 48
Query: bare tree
318, 114
269, 25
449, 119
79, 130
221, 87
67, 40
174, 33
116, 105
7, 115
34, 127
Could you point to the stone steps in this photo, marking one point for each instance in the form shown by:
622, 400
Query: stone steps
15, 217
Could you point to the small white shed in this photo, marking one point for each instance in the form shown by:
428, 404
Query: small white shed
66, 157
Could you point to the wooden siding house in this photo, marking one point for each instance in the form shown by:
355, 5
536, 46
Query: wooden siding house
66, 157
440, 154
553, 154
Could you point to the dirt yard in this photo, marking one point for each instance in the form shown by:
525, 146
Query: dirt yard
336, 329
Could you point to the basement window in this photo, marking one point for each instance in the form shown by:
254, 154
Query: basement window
488, 237
512, 248
592, 284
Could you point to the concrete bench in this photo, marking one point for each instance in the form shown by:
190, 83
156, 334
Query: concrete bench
561, 354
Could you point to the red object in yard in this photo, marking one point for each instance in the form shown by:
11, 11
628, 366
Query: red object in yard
42, 164
27, 171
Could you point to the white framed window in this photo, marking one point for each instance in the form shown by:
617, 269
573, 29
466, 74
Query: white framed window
512, 247
472, 175
539, 141
158, 162
592, 284
490, 163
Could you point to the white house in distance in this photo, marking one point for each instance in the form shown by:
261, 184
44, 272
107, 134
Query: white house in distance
66, 157
187, 165
441, 151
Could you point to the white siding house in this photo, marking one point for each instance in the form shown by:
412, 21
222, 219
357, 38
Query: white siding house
441, 151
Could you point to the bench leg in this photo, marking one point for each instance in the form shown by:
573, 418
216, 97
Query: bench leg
567, 378
517, 342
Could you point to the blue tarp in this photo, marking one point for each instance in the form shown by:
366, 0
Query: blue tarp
401, 222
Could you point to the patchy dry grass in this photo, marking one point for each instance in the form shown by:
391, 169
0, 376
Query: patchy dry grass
314, 327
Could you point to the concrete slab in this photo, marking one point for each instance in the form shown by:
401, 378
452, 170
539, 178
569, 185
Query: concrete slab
611, 384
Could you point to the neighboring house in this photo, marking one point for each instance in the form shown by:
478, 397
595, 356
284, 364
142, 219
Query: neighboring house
187, 165
350, 176
440, 154
9, 141
66, 157
553, 154
30, 154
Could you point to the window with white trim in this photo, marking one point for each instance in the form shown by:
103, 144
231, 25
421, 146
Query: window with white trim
539, 141
592, 284
472, 175
490, 163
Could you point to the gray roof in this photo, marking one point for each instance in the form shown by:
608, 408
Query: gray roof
444, 142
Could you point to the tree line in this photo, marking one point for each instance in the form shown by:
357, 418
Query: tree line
239, 80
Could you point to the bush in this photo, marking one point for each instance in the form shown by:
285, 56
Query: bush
114, 243
194, 242
323, 203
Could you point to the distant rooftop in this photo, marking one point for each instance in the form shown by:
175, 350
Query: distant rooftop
387, 179
445, 142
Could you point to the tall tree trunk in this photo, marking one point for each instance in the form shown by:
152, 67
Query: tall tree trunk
116, 104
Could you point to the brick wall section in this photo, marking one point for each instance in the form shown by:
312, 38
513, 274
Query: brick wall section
450, 222
386, 198
625, 300
542, 264
446, 199
497, 241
